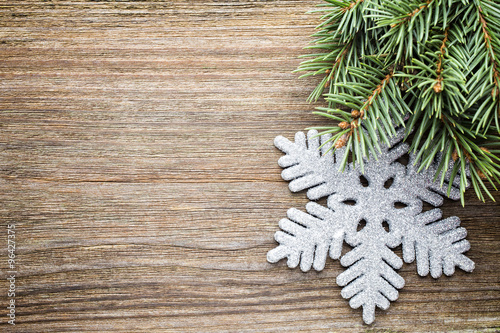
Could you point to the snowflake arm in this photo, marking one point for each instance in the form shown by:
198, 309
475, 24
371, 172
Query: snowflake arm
371, 280
437, 246
308, 238
428, 189
307, 166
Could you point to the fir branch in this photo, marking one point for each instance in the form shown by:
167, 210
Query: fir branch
352, 5
493, 54
484, 84
376, 92
409, 16
493, 47
432, 66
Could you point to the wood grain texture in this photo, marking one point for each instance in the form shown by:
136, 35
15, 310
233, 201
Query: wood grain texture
137, 163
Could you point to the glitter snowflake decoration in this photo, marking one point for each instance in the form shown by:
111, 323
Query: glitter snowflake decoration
373, 212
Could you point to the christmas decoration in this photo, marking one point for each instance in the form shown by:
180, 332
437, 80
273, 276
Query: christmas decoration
436, 60
373, 211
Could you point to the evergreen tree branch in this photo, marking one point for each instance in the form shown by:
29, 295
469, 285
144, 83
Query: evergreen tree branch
432, 66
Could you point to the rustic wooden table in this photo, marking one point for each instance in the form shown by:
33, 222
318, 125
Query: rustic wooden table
138, 166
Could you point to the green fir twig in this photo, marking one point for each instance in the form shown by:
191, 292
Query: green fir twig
431, 66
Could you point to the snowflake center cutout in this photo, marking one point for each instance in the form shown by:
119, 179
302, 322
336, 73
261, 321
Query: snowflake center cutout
373, 212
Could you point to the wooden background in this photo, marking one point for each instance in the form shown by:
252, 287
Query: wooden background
137, 163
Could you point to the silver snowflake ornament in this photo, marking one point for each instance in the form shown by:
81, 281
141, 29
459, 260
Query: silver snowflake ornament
373, 212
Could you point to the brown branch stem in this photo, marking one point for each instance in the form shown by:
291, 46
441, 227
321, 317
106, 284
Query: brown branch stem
376, 92
438, 86
413, 13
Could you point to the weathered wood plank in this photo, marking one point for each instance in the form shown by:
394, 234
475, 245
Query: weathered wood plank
137, 164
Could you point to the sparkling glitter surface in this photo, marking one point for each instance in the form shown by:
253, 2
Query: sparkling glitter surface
373, 212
